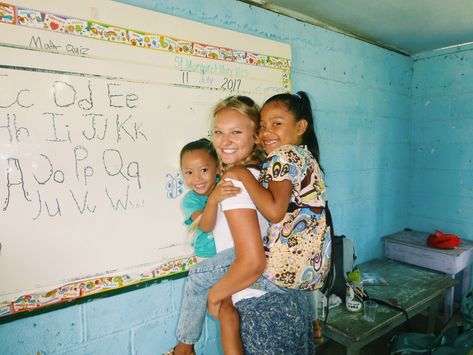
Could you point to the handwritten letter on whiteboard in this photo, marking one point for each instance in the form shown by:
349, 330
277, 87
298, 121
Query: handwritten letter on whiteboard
92, 119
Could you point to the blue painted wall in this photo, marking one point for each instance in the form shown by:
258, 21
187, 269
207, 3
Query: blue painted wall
362, 96
441, 182
362, 100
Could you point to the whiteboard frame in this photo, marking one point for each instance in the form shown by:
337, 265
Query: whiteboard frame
269, 53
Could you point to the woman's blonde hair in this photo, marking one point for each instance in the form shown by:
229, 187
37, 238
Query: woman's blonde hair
250, 109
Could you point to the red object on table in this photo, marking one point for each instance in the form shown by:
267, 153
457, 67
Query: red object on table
442, 240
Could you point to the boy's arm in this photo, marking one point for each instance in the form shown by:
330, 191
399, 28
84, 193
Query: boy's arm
209, 215
272, 202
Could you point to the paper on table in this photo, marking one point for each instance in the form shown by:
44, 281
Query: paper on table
373, 278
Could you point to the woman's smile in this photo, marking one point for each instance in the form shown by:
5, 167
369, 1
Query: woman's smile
234, 136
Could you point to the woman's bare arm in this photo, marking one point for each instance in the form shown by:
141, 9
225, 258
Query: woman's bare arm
250, 260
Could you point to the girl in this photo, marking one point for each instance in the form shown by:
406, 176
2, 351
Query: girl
292, 195
199, 168
238, 236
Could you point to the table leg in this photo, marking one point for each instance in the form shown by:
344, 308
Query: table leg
448, 304
433, 310
466, 284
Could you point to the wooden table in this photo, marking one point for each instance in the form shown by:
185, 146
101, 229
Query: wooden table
411, 247
414, 288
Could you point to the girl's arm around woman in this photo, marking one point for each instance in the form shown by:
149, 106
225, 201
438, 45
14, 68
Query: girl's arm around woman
272, 202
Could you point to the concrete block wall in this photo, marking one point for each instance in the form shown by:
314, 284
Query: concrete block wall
137, 322
441, 170
362, 100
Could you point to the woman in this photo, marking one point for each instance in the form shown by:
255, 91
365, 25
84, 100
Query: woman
239, 227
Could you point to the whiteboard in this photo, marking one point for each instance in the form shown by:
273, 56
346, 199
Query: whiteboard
95, 103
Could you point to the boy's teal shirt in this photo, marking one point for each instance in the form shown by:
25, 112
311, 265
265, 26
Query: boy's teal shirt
204, 244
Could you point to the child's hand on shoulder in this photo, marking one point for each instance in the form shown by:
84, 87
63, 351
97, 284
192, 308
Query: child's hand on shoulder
236, 172
223, 190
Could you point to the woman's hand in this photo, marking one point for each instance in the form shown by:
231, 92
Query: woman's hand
213, 305
223, 190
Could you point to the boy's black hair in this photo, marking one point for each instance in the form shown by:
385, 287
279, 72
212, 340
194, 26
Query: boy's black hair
201, 144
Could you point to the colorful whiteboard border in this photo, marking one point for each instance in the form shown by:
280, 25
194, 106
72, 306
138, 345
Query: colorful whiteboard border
91, 286
32, 18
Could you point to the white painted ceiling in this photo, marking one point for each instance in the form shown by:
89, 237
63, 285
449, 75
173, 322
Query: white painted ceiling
407, 26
